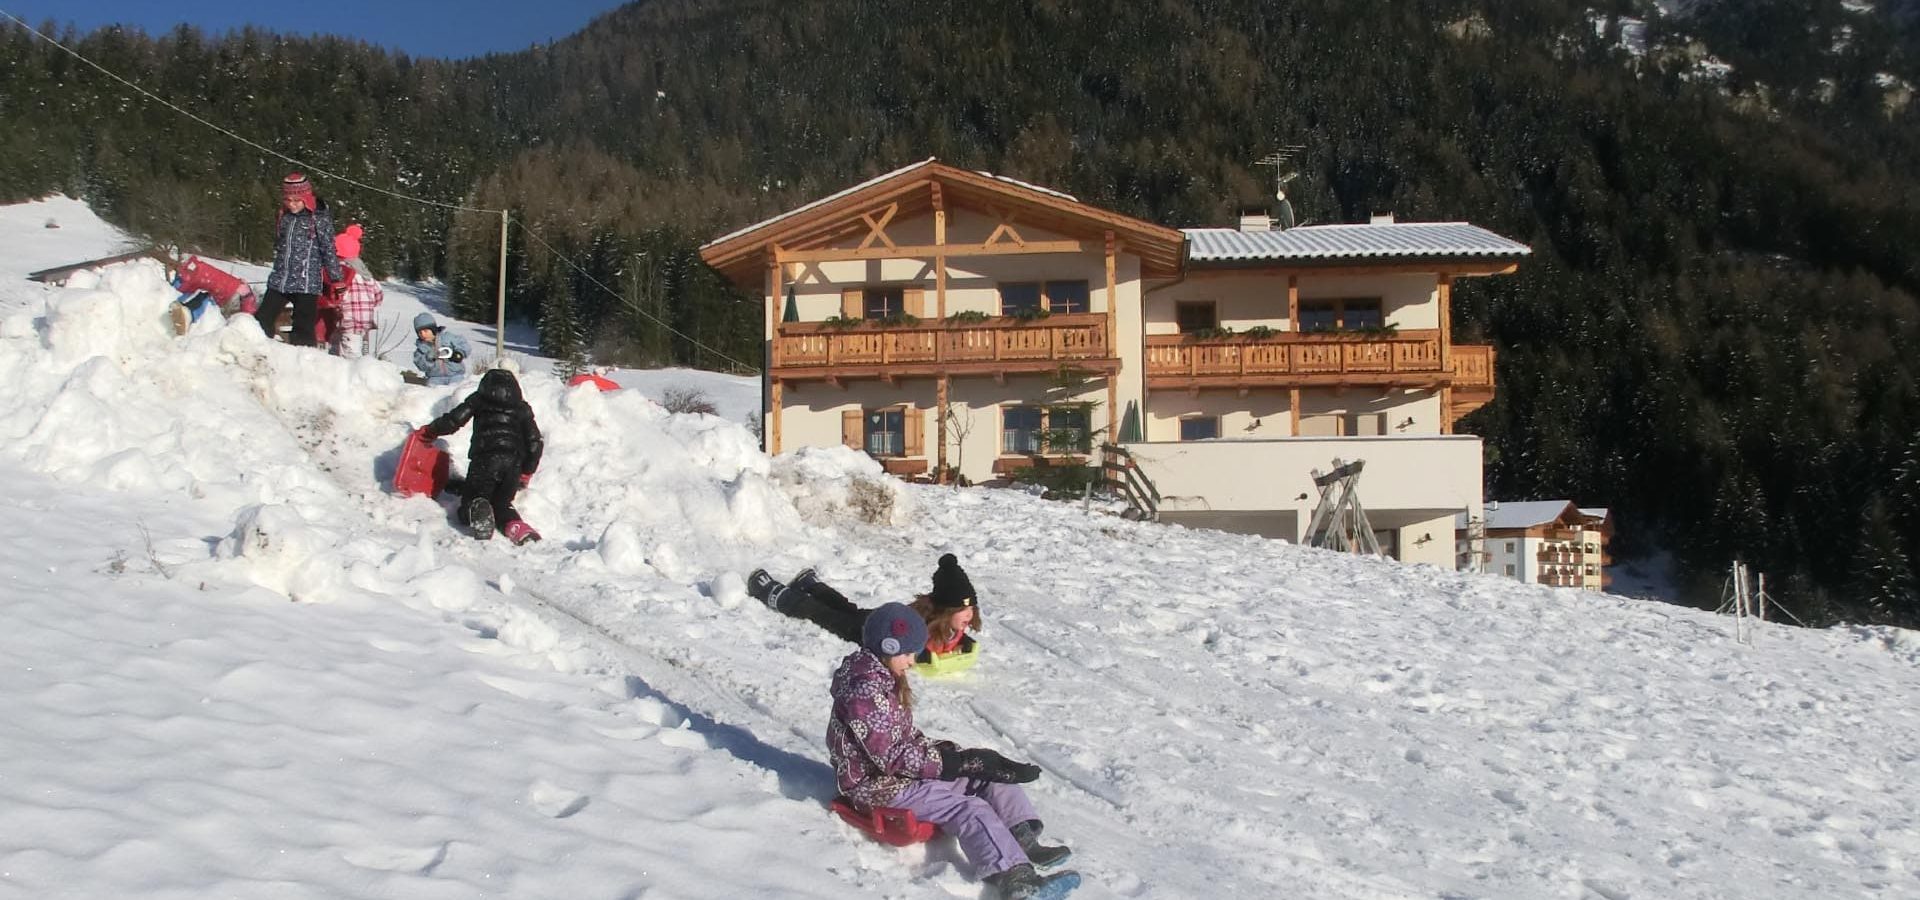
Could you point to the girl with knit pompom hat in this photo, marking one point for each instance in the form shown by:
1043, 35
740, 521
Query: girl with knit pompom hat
304, 260
949, 610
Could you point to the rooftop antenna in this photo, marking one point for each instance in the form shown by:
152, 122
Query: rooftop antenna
1281, 160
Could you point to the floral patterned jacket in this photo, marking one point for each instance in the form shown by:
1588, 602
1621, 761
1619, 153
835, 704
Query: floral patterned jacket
876, 750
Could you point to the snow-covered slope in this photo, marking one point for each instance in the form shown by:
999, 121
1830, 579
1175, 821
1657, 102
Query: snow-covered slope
606, 713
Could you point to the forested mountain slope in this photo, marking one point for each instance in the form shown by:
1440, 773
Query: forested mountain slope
1715, 336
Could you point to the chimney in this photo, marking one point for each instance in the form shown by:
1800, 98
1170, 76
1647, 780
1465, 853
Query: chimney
1381, 219
1255, 220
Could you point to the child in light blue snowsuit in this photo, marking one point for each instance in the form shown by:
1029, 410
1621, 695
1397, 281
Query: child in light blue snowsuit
439, 354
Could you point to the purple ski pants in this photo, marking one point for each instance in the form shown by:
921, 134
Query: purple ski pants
977, 821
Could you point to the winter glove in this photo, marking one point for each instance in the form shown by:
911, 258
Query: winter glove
985, 765
422, 435
525, 477
457, 356
443, 353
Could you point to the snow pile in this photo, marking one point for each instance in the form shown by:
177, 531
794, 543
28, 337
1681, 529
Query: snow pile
606, 714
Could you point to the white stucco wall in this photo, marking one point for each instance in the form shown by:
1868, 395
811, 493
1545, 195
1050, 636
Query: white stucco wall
1409, 483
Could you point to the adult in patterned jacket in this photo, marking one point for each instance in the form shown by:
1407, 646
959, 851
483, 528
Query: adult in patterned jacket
303, 260
950, 609
881, 759
503, 455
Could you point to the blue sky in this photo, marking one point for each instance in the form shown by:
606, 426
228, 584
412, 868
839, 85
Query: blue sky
446, 28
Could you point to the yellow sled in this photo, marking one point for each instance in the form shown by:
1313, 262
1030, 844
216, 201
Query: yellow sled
949, 663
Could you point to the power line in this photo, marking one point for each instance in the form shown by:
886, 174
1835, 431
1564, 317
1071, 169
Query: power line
260, 147
631, 307
421, 200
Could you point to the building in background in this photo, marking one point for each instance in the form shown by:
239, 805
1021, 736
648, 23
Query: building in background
957, 323
1551, 542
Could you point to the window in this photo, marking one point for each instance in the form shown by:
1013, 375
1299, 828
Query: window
886, 432
1027, 297
1017, 299
1509, 570
1067, 296
1020, 430
882, 302
1509, 546
1195, 316
1200, 428
1034, 430
1341, 315
1319, 316
1067, 429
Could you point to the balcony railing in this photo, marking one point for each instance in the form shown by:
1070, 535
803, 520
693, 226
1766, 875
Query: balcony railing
937, 342
1472, 366
1315, 356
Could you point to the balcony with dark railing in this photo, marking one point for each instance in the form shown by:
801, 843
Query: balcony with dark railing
991, 346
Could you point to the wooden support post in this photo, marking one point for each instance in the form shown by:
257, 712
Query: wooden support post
1293, 403
1446, 324
1446, 409
773, 418
1113, 413
940, 413
1113, 305
939, 259
1293, 303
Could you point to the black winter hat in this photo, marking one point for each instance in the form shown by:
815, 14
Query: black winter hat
951, 588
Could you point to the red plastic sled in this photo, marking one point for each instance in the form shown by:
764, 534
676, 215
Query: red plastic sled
897, 827
422, 470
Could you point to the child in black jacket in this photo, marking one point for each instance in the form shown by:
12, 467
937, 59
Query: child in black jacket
504, 453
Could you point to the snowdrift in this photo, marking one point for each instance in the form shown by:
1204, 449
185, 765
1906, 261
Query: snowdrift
1218, 715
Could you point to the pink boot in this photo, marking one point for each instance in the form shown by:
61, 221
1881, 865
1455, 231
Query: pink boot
519, 532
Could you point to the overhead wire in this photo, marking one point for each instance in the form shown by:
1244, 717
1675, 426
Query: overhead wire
312, 167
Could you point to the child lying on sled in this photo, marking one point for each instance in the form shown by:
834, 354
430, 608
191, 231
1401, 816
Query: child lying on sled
950, 610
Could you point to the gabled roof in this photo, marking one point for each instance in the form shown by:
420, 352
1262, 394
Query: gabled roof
741, 254
1526, 513
1382, 242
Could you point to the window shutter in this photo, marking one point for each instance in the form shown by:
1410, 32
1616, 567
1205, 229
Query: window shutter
915, 302
852, 305
915, 423
852, 429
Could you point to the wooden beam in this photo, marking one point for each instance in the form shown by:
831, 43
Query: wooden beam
1446, 323
1113, 414
877, 228
1446, 410
1293, 402
939, 259
930, 251
773, 426
1113, 309
1005, 228
1293, 303
940, 412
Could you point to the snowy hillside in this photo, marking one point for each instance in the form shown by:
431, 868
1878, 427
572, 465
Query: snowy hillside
605, 714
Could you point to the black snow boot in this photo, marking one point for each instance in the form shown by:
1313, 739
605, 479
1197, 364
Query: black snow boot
805, 581
1042, 856
480, 519
762, 587
1022, 883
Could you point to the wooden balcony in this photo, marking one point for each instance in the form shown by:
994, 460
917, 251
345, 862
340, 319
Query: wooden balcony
995, 346
1292, 359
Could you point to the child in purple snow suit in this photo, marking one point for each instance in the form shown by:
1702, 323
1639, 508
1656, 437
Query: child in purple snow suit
881, 759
